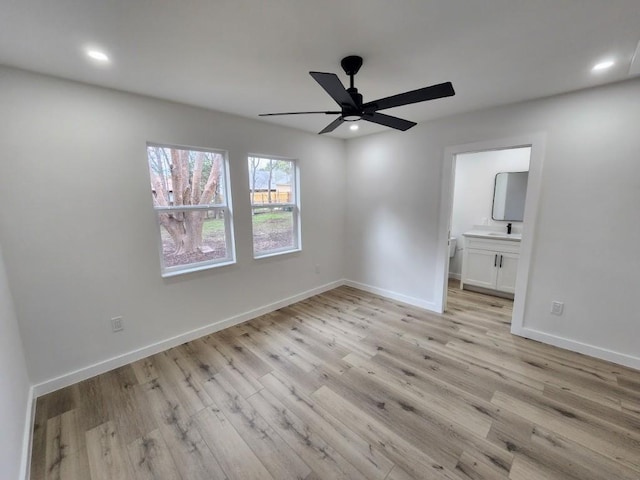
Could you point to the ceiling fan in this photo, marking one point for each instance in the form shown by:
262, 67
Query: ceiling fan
350, 101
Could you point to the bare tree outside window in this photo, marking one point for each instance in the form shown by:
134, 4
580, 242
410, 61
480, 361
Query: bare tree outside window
189, 196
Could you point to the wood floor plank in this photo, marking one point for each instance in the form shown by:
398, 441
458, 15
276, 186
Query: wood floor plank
236, 355
171, 366
39, 440
318, 454
124, 403
348, 384
439, 398
235, 372
424, 428
191, 455
360, 453
60, 401
278, 458
306, 382
311, 347
532, 367
612, 442
234, 455
609, 414
206, 354
151, 459
93, 409
475, 467
66, 454
108, 460
398, 474
247, 359
144, 370
572, 459
402, 452
525, 469
632, 409
322, 347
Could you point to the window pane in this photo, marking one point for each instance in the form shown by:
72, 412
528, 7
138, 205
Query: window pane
186, 177
193, 236
272, 229
271, 181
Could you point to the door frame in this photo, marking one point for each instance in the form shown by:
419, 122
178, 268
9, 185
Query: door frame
537, 142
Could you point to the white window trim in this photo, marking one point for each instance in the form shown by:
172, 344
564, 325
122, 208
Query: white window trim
295, 206
230, 259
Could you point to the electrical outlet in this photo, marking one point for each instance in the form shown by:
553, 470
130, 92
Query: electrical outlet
116, 324
557, 307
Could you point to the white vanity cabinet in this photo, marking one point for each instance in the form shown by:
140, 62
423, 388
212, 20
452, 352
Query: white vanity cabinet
490, 262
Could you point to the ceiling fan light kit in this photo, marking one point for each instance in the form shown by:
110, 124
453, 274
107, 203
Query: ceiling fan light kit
351, 103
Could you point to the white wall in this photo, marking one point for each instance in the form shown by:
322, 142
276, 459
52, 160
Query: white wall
80, 236
473, 193
14, 385
587, 216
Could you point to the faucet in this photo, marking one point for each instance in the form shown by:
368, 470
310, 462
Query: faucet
508, 229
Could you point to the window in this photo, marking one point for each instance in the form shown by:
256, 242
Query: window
274, 204
190, 198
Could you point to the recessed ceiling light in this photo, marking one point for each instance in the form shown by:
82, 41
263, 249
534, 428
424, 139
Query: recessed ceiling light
603, 65
98, 55
354, 127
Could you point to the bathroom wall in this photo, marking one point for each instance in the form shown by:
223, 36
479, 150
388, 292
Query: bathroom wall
473, 193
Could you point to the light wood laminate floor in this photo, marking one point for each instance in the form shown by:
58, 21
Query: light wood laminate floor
348, 385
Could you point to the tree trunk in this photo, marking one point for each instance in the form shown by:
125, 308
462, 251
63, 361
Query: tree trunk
197, 178
185, 228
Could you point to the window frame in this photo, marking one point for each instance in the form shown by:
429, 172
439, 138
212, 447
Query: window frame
295, 208
225, 206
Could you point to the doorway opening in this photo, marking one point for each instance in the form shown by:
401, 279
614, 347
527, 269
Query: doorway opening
482, 201
489, 195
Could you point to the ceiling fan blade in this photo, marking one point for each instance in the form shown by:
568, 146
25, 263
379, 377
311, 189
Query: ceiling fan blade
388, 121
332, 126
333, 86
296, 113
420, 95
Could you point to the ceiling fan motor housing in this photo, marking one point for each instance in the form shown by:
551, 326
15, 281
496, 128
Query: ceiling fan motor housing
349, 114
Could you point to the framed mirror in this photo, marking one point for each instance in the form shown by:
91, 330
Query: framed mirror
509, 195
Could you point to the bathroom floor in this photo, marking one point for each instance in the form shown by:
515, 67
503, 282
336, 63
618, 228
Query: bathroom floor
480, 304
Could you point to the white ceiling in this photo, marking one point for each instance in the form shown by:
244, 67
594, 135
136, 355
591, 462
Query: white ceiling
253, 56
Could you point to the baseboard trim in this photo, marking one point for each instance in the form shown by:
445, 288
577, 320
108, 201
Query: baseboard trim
29, 422
579, 347
455, 276
416, 302
76, 376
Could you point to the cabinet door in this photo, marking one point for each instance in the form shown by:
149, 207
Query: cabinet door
507, 271
480, 268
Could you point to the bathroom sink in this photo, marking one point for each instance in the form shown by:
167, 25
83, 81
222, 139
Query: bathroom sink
501, 235
515, 236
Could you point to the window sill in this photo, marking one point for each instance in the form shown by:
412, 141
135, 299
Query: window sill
198, 268
277, 254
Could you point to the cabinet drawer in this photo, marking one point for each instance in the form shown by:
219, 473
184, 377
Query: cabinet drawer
507, 246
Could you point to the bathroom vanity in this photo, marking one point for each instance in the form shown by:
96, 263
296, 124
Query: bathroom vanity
490, 261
